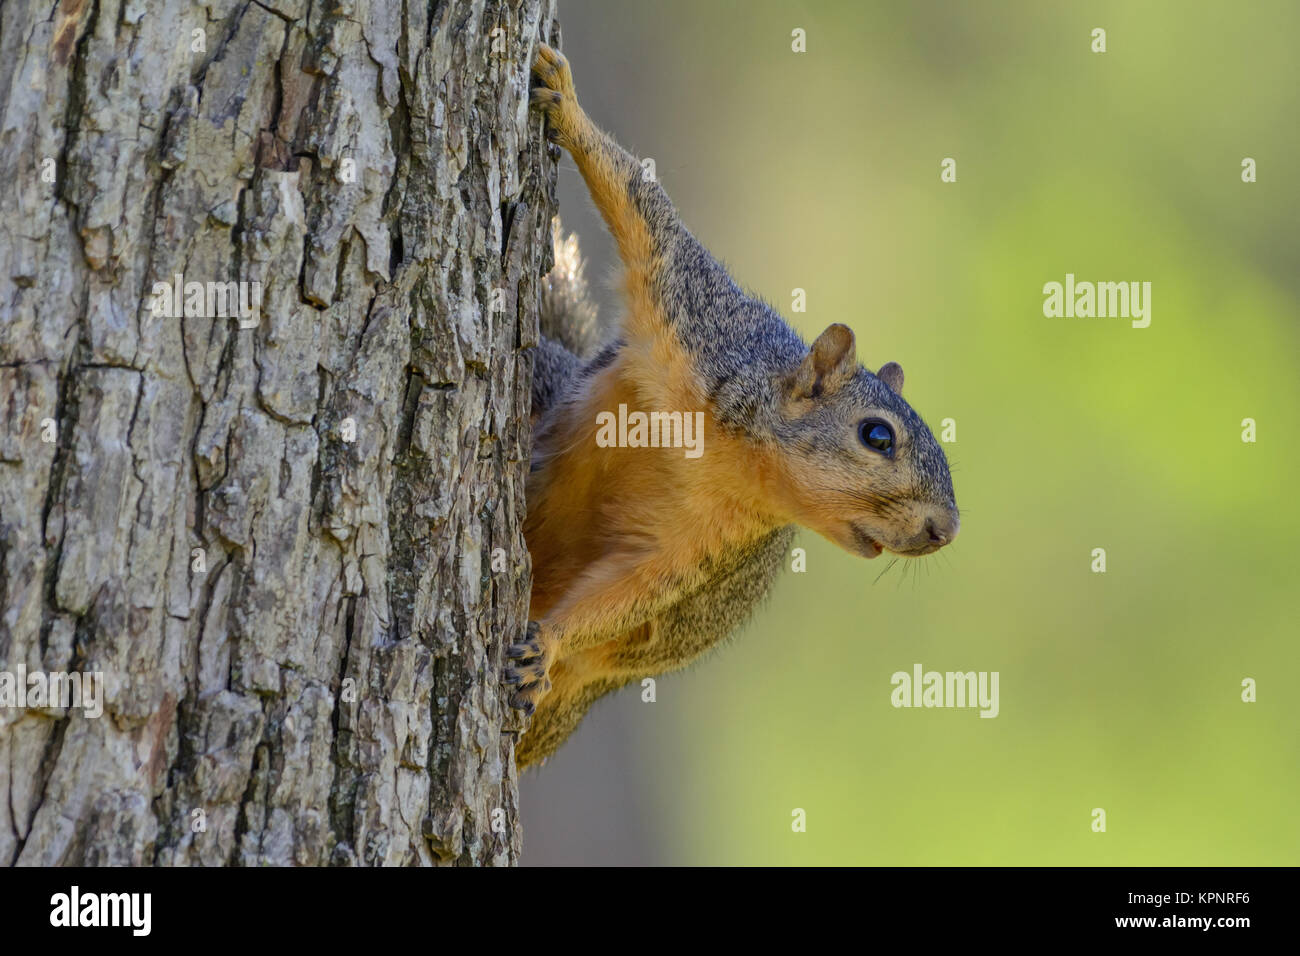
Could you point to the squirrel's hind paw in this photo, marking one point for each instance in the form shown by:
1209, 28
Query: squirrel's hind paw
527, 673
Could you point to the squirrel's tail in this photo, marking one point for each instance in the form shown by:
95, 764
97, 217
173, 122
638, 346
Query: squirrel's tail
568, 315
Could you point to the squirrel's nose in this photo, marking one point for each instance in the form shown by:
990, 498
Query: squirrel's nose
942, 530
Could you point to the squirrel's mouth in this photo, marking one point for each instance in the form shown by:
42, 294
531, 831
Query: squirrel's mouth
866, 545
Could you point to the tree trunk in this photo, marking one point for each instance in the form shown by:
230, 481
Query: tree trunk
290, 544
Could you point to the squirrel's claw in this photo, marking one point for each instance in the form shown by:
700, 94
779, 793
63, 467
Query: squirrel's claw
539, 97
525, 673
529, 647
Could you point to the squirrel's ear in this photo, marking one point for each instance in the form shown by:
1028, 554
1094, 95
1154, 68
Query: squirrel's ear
829, 364
891, 373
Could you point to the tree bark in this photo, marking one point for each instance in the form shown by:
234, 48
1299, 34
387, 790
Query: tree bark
276, 543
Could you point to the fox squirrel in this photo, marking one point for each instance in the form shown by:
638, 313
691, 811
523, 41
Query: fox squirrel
644, 558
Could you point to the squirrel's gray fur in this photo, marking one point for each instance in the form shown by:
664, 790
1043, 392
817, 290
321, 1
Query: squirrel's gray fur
568, 321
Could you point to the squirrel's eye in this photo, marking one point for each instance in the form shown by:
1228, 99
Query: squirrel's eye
878, 435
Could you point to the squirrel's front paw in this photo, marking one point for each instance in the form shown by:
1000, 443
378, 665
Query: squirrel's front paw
554, 96
527, 673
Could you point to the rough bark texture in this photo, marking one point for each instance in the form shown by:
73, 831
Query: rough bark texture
320, 683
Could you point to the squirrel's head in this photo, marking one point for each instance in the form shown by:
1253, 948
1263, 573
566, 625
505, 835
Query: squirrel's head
861, 467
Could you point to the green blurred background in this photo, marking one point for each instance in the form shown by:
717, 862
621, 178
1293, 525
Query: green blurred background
1119, 690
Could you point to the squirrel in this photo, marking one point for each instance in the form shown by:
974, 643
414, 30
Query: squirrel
644, 558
